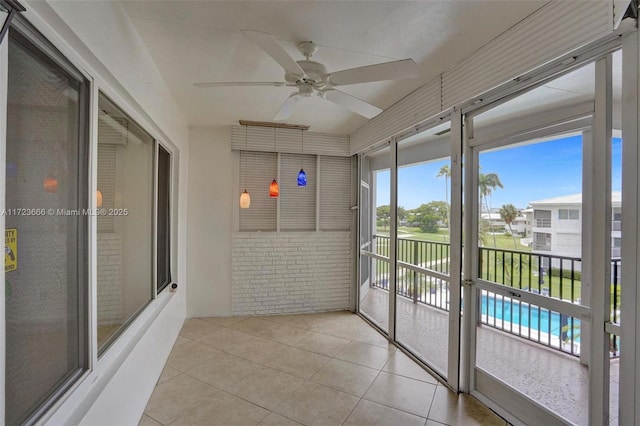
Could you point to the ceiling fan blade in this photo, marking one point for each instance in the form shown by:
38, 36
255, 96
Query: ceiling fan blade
270, 45
241, 84
395, 70
287, 107
356, 105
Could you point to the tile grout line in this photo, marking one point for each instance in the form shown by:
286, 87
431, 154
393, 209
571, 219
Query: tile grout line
305, 380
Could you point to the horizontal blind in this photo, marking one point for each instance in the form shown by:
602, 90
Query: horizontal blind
335, 193
257, 170
297, 204
254, 138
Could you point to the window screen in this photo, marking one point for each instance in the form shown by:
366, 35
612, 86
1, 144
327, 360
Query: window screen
46, 259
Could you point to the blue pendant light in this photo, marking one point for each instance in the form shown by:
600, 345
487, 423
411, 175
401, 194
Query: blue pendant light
302, 176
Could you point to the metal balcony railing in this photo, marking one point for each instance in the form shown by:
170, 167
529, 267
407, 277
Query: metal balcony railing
552, 276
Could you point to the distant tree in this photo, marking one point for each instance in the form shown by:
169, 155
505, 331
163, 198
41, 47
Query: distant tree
487, 184
445, 172
383, 213
441, 209
508, 213
402, 213
429, 215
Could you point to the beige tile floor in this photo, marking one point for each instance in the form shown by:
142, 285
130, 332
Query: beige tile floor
320, 369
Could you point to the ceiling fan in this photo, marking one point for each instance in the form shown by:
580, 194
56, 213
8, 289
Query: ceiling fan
311, 77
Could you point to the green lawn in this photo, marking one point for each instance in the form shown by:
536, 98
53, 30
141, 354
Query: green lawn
500, 241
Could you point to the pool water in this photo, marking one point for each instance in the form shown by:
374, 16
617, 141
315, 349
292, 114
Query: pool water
533, 317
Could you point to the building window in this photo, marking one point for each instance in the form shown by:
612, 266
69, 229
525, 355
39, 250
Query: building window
541, 241
46, 275
125, 222
568, 214
542, 218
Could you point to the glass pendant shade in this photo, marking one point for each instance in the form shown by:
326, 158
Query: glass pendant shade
274, 189
302, 178
245, 200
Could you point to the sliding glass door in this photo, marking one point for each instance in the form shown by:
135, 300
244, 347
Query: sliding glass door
540, 250
410, 263
423, 253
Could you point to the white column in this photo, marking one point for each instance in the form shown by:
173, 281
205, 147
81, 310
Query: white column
470, 269
393, 236
455, 254
4, 54
630, 315
596, 226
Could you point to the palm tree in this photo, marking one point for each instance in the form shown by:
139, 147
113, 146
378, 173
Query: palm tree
446, 172
508, 213
487, 184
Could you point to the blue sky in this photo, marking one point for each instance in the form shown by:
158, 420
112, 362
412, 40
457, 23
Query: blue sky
528, 173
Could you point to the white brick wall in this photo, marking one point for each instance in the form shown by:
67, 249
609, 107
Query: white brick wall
109, 278
290, 272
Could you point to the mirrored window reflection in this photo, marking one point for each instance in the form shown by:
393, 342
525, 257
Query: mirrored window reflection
125, 220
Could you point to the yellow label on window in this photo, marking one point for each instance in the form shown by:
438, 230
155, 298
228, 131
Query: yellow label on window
10, 249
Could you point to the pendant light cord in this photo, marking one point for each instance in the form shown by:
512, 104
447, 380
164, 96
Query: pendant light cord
246, 139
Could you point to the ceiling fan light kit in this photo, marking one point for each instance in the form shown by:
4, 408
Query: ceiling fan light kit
312, 79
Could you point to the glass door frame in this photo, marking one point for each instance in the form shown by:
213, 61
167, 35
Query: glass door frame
595, 249
370, 255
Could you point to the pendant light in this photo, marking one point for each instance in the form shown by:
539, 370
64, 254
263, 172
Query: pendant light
274, 188
245, 198
302, 176
50, 184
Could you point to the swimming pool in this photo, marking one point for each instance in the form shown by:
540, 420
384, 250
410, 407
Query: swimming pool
534, 317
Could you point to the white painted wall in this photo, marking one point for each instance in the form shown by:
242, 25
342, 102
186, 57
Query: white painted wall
211, 197
99, 39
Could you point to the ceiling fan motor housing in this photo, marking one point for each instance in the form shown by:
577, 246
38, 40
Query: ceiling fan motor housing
314, 72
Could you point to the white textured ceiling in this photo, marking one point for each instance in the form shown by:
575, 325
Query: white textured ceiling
200, 41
